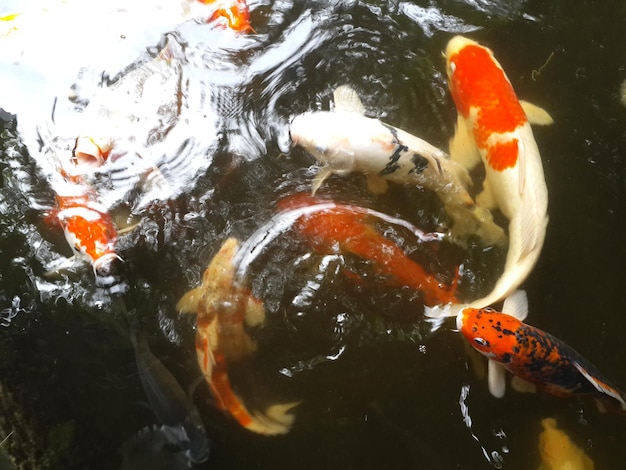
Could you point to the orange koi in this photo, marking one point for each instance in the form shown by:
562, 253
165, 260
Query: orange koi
232, 14
493, 126
223, 310
345, 226
535, 356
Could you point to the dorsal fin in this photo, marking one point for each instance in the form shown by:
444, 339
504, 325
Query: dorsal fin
347, 100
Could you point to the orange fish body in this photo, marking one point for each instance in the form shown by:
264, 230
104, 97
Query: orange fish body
88, 227
534, 355
493, 127
346, 227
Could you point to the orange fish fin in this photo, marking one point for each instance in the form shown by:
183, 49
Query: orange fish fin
189, 302
496, 378
535, 114
463, 147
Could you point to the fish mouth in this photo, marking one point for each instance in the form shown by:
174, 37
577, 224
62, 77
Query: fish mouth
103, 266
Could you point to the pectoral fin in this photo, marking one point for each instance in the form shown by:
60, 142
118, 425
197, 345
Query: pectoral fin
486, 199
377, 184
516, 305
522, 386
324, 173
535, 114
347, 100
463, 147
188, 303
496, 377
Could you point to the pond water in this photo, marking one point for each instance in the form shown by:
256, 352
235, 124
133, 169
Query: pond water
380, 386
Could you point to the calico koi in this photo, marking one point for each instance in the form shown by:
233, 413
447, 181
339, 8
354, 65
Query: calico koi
534, 356
223, 310
493, 126
345, 140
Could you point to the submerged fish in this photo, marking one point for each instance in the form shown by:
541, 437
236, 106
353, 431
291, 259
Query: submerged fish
344, 140
344, 227
168, 400
231, 14
223, 311
534, 356
494, 126
558, 452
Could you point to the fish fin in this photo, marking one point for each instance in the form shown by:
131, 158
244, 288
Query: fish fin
601, 386
443, 311
255, 312
536, 115
321, 176
496, 378
275, 420
188, 303
516, 305
463, 147
486, 199
522, 386
347, 100
377, 184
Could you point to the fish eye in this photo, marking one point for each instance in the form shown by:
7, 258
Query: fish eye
481, 342
488, 310
451, 67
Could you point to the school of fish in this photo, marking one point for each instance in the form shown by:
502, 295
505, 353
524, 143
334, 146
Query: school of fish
493, 129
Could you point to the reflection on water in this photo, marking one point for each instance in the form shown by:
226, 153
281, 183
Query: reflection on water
202, 152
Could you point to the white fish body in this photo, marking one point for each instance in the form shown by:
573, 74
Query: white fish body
345, 140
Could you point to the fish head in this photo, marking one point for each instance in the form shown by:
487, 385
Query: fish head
91, 151
323, 135
472, 73
491, 333
91, 234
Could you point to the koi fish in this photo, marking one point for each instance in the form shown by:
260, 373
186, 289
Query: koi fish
168, 400
345, 227
232, 14
532, 355
223, 310
494, 126
87, 225
345, 141
558, 452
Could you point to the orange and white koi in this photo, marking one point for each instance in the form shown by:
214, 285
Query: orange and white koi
223, 310
87, 225
494, 126
345, 141
534, 356
329, 226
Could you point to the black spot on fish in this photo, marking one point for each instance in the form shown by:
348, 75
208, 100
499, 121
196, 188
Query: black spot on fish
508, 332
419, 163
516, 349
392, 164
506, 358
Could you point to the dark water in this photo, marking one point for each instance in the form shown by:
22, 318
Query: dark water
378, 387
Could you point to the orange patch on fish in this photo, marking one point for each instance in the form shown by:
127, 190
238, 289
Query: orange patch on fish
478, 84
503, 155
